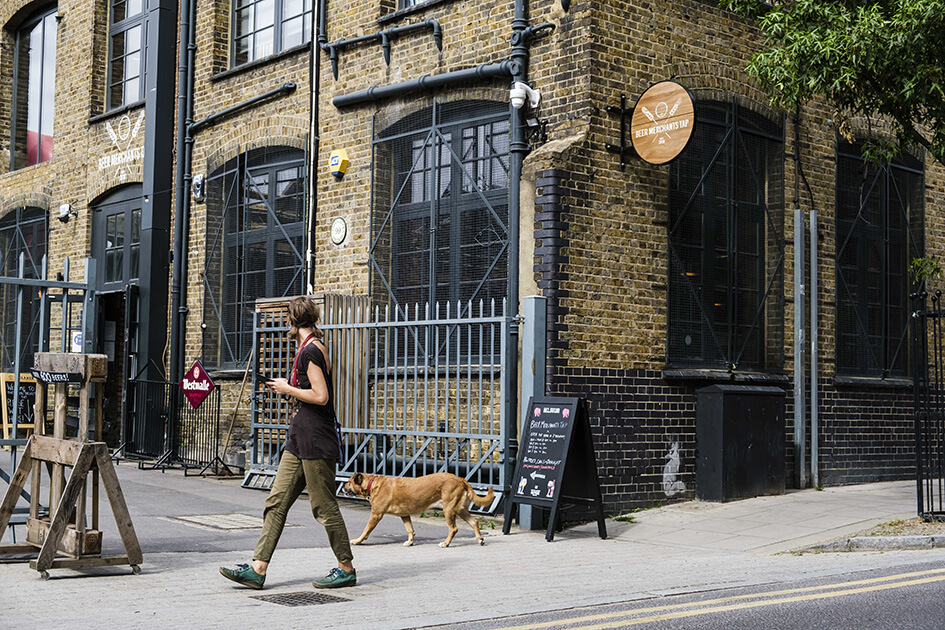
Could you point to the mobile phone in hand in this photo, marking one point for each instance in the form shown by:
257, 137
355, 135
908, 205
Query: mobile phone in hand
263, 378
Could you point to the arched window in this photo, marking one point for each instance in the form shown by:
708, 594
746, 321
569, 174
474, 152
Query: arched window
879, 231
22, 235
441, 213
255, 226
726, 243
34, 84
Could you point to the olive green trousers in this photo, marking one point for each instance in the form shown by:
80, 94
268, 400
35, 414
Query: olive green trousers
294, 475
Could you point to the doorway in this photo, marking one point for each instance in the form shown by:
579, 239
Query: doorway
111, 343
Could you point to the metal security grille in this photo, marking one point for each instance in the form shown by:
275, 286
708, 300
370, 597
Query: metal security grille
440, 206
255, 241
928, 341
879, 231
726, 243
22, 232
415, 394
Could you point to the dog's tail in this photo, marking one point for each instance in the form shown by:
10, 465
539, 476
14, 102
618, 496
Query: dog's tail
479, 500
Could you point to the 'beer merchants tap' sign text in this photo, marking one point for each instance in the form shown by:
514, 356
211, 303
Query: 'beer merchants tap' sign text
662, 122
122, 140
196, 385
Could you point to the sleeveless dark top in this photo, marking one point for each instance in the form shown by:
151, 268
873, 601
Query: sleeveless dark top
312, 427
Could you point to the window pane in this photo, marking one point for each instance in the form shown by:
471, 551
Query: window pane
263, 43
255, 258
244, 21
292, 33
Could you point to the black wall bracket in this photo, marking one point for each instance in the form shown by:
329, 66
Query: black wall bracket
623, 149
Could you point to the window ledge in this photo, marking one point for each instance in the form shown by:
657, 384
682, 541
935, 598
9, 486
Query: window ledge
124, 109
417, 8
872, 382
258, 63
723, 376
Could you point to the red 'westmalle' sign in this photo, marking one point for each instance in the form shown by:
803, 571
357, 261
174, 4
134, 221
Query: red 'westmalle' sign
196, 385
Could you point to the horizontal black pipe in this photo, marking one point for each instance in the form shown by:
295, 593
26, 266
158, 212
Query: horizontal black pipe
505, 68
286, 88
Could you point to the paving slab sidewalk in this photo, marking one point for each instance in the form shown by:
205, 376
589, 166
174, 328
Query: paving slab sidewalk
665, 551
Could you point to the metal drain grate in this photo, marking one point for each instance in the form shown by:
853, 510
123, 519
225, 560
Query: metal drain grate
302, 598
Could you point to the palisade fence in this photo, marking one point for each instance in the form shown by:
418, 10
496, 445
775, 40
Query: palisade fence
929, 399
417, 390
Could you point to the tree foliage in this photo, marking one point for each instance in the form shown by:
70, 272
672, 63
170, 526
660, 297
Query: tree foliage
872, 58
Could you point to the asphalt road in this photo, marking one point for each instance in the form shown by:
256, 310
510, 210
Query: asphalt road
907, 597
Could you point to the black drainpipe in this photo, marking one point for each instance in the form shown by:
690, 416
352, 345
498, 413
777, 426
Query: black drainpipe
314, 80
185, 106
518, 149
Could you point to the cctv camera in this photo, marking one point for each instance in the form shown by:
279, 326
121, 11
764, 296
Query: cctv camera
522, 91
66, 212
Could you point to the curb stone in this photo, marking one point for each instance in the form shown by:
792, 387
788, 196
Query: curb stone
881, 543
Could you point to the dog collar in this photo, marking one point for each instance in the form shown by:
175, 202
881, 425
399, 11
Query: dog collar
370, 483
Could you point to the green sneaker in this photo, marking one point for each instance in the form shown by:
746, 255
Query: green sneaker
244, 574
337, 578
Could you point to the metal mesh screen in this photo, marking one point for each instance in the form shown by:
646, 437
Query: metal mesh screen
22, 232
255, 233
879, 231
440, 213
726, 243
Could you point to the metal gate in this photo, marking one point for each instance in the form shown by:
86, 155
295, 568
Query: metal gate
417, 391
929, 398
169, 430
26, 323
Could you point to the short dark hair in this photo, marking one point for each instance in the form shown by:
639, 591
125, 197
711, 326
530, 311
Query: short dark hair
305, 313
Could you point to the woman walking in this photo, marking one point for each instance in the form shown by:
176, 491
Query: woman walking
308, 459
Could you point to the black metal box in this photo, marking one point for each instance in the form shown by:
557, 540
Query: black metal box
739, 442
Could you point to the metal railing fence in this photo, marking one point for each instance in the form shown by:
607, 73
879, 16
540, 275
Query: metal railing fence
929, 401
163, 425
417, 390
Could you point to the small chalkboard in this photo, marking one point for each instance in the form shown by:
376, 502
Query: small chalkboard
27, 397
556, 460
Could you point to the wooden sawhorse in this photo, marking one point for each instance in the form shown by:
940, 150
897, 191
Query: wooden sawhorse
65, 531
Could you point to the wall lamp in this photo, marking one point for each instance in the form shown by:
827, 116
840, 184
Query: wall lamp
522, 91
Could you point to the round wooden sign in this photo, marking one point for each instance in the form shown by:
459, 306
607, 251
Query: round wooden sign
662, 122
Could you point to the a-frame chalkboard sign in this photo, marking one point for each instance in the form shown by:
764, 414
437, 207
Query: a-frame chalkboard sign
556, 463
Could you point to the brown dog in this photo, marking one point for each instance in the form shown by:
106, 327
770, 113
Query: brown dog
403, 496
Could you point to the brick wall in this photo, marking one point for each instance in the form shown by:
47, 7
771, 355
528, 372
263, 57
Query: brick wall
596, 232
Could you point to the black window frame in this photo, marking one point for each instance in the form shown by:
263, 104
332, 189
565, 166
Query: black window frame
121, 28
23, 102
880, 218
25, 229
725, 298
280, 21
237, 205
429, 254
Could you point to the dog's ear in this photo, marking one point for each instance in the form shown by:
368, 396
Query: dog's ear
356, 479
